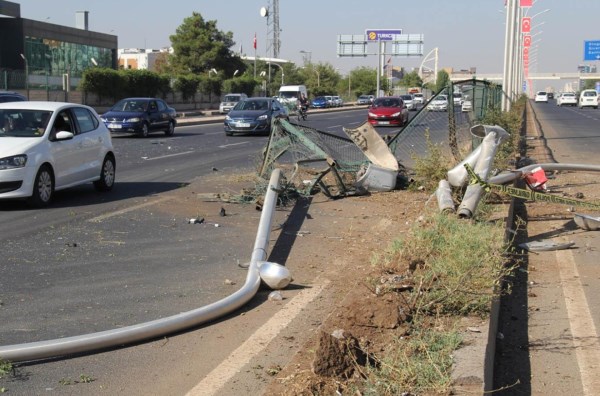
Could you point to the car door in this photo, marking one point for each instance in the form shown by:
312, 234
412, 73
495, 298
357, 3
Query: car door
66, 157
90, 141
155, 116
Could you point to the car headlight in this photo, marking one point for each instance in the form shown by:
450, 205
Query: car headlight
262, 117
133, 119
372, 115
396, 114
227, 119
104, 119
16, 161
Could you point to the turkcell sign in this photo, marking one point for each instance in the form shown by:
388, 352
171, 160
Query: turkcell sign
382, 34
591, 50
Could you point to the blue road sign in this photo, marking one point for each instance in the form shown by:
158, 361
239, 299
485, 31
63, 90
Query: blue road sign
591, 50
382, 34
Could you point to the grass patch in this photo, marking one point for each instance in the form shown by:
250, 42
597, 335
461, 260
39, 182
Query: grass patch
432, 168
5, 368
455, 266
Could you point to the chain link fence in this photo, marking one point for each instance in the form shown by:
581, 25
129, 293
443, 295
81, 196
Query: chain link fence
314, 158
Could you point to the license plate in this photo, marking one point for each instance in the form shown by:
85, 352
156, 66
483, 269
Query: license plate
384, 123
243, 125
115, 126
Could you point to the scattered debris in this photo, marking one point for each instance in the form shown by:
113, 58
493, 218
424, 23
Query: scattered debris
587, 222
222, 212
544, 246
229, 282
275, 296
474, 329
196, 220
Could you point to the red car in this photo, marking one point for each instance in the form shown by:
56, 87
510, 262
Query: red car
388, 110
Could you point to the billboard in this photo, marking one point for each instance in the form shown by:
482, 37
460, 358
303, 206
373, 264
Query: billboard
382, 34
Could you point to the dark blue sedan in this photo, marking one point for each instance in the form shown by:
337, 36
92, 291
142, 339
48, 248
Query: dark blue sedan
254, 115
141, 116
319, 102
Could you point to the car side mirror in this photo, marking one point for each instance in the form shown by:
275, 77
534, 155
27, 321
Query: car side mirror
64, 135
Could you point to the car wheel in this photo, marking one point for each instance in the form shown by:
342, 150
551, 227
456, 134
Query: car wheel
144, 132
43, 187
171, 129
107, 175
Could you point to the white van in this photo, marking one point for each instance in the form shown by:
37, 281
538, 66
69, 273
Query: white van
588, 98
288, 94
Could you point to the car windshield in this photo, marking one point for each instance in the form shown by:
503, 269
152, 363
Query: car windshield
23, 123
386, 102
568, 94
590, 93
319, 99
288, 94
457, 95
406, 97
231, 98
541, 93
441, 98
252, 105
130, 105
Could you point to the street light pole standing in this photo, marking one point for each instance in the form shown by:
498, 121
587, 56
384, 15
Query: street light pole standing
26, 75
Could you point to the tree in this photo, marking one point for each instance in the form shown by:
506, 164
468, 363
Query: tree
198, 46
411, 79
364, 81
442, 80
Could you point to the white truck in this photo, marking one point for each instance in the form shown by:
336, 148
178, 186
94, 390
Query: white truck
288, 95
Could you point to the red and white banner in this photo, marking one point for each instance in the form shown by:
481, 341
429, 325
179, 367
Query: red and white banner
527, 41
254, 42
526, 25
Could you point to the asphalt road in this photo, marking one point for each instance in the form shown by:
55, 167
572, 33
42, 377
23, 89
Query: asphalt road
94, 262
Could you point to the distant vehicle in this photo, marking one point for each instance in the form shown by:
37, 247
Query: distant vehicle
319, 102
50, 146
254, 115
409, 102
418, 98
141, 116
588, 98
229, 101
541, 96
337, 101
439, 103
550, 95
467, 104
7, 96
289, 94
457, 98
364, 99
329, 100
566, 99
388, 111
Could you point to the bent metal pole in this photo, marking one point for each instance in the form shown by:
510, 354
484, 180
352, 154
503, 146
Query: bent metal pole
160, 327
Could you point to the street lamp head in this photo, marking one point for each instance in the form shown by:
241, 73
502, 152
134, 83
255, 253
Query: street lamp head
23, 56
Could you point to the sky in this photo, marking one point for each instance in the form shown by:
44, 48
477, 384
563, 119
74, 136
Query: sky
467, 33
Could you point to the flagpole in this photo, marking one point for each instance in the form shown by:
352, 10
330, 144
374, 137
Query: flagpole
254, 43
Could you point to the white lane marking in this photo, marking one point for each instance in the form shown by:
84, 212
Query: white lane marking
585, 337
167, 156
105, 216
216, 379
334, 126
233, 144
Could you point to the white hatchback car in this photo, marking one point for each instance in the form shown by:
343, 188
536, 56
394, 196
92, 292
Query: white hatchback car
50, 146
566, 99
541, 96
588, 98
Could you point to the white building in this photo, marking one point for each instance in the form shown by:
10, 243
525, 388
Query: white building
140, 58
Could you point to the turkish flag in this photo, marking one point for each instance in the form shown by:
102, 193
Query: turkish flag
254, 42
527, 41
526, 3
526, 25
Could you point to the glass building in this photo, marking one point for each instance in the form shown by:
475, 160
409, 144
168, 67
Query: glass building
40, 49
